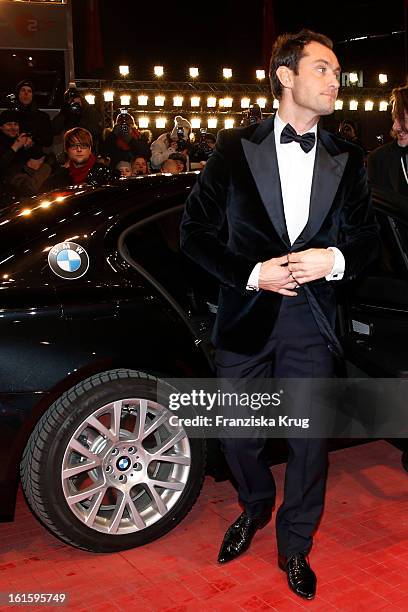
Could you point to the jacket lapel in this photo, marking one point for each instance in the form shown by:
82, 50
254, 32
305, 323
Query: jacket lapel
328, 171
260, 153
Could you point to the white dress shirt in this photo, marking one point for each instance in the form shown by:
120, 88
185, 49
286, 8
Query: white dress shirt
296, 174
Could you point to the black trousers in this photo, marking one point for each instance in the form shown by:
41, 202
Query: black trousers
295, 349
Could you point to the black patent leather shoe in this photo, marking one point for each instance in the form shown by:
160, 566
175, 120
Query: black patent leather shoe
301, 578
239, 536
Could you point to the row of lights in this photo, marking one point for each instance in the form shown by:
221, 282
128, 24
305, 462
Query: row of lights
223, 102
193, 72
227, 74
368, 105
196, 122
159, 100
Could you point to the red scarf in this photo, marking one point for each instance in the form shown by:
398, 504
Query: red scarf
122, 144
79, 173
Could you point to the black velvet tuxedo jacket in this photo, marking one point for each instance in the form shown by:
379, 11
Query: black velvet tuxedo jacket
240, 187
384, 168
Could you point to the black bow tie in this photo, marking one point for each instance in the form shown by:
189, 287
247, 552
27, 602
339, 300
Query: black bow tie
306, 141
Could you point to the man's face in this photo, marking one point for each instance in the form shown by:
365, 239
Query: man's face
10, 129
316, 85
398, 131
139, 166
25, 95
172, 166
79, 153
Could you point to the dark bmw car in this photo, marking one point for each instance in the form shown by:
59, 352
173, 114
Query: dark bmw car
97, 305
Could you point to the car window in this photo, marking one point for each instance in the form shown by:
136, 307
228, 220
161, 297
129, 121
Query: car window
154, 244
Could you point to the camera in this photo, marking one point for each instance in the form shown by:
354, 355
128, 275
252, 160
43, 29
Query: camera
12, 102
182, 143
202, 150
252, 115
75, 108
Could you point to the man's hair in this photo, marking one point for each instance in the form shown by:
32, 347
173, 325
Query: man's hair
399, 101
77, 135
288, 50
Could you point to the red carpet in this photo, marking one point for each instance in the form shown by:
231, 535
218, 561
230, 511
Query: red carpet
363, 535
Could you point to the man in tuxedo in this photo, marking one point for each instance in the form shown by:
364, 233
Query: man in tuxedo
387, 166
298, 211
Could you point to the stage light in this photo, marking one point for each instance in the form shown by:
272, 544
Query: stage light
229, 123
195, 101
142, 100
90, 98
383, 78
353, 105
193, 72
260, 75
108, 96
227, 102
211, 102
338, 105
195, 122
353, 77
124, 70
383, 105
158, 71
369, 105
212, 122
227, 73
275, 104
261, 102
161, 122
143, 122
125, 100
159, 100
245, 102
178, 101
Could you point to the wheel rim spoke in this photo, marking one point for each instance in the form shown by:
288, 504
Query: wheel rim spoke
172, 441
156, 423
81, 449
118, 512
80, 468
179, 459
157, 500
96, 504
100, 427
115, 425
137, 519
85, 494
141, 420
166, 484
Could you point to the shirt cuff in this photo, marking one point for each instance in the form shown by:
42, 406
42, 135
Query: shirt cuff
339, 265
253, 279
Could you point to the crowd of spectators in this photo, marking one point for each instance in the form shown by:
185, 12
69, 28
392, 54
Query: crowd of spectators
38, 154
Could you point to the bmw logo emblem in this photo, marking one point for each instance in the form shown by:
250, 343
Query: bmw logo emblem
123, 464
68, 260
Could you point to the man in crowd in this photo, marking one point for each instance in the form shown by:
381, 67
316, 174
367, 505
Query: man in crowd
140, 167
32, 120
297, 205
175, 164
125, 141
13, 145
387, 166
76, 112
176, 141
82, 166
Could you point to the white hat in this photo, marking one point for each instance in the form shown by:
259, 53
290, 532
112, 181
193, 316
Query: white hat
179, 122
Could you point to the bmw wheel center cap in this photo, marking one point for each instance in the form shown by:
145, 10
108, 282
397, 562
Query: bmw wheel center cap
68, 260
123, 464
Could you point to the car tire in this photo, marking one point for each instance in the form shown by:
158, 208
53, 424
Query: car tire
76, 443
404, 460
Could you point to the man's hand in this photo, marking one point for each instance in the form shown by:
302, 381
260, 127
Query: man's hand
22, 141
275, 276
310, 265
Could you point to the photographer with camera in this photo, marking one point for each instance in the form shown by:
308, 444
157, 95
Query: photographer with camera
76, 112
32, 121
124, 142
176, 141
13, 145
203, 147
